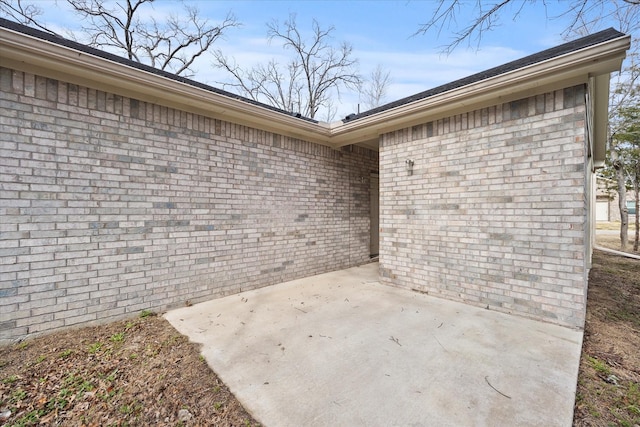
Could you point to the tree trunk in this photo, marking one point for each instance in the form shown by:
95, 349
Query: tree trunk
622, 203
635, 243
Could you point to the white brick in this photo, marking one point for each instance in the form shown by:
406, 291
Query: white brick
508, 196
160, 212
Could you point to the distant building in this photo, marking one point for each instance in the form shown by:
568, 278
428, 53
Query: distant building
607, 206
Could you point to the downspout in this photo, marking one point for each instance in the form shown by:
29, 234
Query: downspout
619, 253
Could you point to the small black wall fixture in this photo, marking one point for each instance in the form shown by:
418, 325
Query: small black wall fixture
409, 164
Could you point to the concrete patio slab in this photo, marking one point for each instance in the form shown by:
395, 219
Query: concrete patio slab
340, 349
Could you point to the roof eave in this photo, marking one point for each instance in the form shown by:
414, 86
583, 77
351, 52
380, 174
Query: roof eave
30, 54
572, 68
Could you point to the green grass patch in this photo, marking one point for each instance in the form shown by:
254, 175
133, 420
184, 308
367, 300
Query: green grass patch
146, 313
10, 379
94, 348
117, 338
600, 366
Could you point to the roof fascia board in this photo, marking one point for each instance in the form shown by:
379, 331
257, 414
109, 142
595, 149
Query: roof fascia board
29, 54
447, 108
574, 67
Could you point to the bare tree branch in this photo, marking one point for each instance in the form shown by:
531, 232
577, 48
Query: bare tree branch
446, 13
585, 16
26, 14
172, 45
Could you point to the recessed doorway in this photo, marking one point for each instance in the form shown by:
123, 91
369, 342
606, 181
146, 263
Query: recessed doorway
374, 234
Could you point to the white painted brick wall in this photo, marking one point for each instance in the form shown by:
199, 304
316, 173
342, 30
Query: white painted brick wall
495, 211
109, 206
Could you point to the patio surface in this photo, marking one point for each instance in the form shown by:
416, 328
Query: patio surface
340, 349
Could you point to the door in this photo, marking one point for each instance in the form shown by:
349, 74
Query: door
602, 211
375, 214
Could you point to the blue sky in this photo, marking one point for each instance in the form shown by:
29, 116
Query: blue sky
381, 32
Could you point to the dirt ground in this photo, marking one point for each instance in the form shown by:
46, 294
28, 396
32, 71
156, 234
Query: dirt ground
137, 372
141, 372
608, 391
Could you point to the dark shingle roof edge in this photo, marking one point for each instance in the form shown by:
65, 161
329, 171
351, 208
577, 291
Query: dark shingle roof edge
43, 35
581, 43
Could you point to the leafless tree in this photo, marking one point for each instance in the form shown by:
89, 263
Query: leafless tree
127, 27
315, 74
374, 90
624, 157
